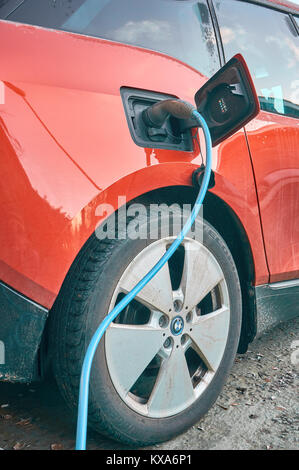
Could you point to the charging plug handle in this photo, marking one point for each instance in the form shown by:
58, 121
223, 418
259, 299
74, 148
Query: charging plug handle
198, 175
156, 115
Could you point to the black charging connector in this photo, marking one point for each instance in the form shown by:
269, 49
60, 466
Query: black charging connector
159, 130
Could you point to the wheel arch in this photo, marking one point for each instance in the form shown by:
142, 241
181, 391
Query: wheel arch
217, 212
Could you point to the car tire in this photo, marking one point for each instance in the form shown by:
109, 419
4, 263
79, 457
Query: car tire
136, 398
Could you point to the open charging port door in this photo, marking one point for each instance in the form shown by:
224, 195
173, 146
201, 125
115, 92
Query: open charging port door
228, 100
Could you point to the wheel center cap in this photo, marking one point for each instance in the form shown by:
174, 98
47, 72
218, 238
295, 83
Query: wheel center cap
177, 325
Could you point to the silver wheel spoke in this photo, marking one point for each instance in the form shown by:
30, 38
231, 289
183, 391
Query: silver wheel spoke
173, 388
209, 335
157, 294
131, 348
201, 273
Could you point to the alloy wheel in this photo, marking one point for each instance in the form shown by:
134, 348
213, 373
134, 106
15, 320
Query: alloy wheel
163, 351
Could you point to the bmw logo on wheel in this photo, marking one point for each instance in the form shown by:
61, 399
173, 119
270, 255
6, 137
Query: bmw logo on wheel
177, 325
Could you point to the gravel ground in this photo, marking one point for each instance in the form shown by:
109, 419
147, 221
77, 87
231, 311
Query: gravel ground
258, 408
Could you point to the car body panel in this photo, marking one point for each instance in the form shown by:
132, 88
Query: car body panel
273, 136
63, 122
273, 142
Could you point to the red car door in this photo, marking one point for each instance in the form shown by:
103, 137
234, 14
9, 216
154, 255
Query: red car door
268, 39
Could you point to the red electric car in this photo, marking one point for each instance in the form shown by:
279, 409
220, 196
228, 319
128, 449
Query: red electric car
73, 78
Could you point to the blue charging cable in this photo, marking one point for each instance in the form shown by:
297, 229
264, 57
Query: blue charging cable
86, 368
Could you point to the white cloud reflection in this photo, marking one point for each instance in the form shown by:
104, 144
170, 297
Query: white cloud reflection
135, 31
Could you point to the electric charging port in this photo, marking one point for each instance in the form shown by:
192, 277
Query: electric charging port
172, 135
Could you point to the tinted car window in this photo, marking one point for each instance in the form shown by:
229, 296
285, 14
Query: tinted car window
8, 6
270, 45
180, 29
